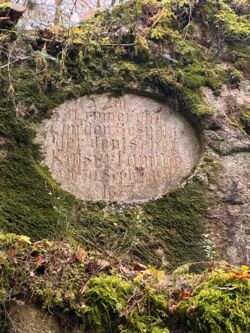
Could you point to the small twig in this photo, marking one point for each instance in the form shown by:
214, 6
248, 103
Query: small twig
225, 288
14, 61
98, 248
132, 44
9, 318
128, 310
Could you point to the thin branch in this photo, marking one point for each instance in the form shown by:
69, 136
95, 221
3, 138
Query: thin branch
14, 61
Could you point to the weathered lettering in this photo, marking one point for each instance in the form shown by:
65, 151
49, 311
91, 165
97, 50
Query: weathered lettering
127, 149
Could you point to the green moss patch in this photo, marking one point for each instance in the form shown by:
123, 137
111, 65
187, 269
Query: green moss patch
26, 204
219, 304
245, 120
226, 21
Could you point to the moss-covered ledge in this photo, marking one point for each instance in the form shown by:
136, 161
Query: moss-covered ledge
101, 294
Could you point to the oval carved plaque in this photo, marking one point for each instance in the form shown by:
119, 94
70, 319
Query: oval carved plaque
125, 149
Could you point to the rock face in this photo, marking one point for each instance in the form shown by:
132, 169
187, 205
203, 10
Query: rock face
230, 217
229, 98
231, 227
29, 318
127, 149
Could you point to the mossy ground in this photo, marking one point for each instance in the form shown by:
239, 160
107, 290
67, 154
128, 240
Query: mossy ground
149, 46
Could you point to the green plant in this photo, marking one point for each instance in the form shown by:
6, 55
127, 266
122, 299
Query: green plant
106, 297
219, 305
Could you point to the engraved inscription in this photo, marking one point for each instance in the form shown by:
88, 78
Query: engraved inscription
127, 149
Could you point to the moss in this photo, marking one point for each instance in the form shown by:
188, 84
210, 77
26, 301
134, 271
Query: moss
102, 300
200, 75
168, 231
154, 320
245, 120
106, 297
36, 94
234, 76
13, 127
226, 21
218, 305
26, 200
142, 50
239, 55
170, 84
115, 50
50, 211
177, 220
141, 45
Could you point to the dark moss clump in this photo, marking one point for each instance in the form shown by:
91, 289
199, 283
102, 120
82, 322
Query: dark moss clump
13, 127
179, 225
26, 197
239, 54
166, 232
245, 120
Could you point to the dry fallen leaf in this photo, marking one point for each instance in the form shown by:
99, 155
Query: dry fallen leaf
185, 294
11, 252
139, 267
80, 255
39, 260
